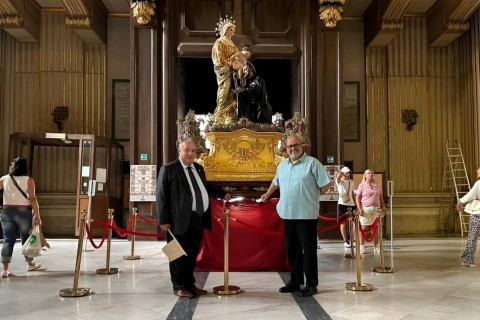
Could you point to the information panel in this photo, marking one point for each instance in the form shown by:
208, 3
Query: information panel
142, 182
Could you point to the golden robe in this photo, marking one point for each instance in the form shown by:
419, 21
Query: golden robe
225, 111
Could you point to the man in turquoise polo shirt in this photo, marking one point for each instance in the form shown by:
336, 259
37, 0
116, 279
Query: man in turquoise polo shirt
301, 179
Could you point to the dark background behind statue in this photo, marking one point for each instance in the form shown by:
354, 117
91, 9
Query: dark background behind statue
201, 86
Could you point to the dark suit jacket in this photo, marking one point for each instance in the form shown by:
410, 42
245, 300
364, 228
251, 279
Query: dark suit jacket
174, 198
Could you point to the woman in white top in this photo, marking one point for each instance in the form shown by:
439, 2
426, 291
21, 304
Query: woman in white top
18, 212
468, 256
346, 197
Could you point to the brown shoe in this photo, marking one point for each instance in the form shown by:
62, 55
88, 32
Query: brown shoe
199, 292
183, 293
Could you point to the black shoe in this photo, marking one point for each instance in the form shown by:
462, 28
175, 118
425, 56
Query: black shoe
307, 291
290, 287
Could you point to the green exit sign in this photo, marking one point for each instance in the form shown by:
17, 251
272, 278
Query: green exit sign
330, 159
143, 156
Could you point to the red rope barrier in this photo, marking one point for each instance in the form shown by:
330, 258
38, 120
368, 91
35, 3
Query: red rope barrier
373, 230
147, 220
332, 226
90, 236
153, 235
336, 218
119, 233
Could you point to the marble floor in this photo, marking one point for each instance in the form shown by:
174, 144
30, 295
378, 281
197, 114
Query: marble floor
427, 283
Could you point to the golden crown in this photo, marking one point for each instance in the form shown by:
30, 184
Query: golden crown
221, 23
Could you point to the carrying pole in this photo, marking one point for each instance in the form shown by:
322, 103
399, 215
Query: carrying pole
226, 289
76, 291
132, 256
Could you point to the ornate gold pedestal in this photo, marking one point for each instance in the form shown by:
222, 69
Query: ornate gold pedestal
241, 155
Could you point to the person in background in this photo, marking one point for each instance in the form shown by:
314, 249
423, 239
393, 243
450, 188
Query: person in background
301, 179
468, 256
369, 197
20, 211
346, 200
183, 207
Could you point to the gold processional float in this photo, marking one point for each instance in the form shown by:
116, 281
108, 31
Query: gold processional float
241, 151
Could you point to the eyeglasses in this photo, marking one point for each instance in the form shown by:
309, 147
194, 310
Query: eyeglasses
294, 146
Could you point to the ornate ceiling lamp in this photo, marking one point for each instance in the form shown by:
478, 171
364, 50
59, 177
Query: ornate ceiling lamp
330, 11
143, 10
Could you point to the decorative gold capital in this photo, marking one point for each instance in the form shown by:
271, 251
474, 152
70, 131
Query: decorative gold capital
143, 11
14, 19
456, 26
86, 21
330, 11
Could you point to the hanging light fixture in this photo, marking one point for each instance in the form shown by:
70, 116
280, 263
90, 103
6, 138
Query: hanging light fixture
330, 11
143, 10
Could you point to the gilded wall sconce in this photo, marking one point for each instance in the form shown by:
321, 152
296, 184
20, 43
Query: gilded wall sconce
409, 117
143, 10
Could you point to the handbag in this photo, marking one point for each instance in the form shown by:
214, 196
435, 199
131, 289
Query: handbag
32, 247
472, 207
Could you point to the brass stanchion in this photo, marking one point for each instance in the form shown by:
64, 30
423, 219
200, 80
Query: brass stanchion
226, 289
76, 291
382, 268
134, 224
350, 255
358, 286
108, 270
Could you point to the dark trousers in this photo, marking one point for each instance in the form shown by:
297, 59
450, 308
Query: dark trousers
181, 269
301, 245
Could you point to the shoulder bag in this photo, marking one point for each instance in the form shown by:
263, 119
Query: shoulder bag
42, 240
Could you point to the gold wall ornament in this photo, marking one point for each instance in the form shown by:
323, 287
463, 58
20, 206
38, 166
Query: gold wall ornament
241, 155
409, 117
191, 129
296, 126
60, 114
330, 11
143, 11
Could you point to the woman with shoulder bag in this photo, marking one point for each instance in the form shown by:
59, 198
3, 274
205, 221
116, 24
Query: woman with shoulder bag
20, 211
468, 256
345, 187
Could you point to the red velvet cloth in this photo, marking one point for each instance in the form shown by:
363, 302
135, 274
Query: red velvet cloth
256, 240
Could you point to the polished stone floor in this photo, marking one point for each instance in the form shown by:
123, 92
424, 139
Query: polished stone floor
427, 283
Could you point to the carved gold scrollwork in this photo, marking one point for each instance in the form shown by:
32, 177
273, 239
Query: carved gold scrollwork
14, 19
330, 11
143, 11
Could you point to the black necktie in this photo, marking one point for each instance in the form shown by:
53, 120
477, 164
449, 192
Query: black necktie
198, 193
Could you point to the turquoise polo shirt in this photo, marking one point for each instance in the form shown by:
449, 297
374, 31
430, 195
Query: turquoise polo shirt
300, 185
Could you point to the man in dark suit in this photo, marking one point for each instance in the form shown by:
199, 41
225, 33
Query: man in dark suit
183, 208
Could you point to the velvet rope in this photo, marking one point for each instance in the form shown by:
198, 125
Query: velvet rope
373, 231
143, 234
119, 233
147, 220
330, 218
332, 226
87, 228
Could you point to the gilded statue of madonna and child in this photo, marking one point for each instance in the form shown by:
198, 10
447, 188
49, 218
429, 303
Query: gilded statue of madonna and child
241, 92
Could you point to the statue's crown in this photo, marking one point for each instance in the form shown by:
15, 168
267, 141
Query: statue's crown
223, 22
